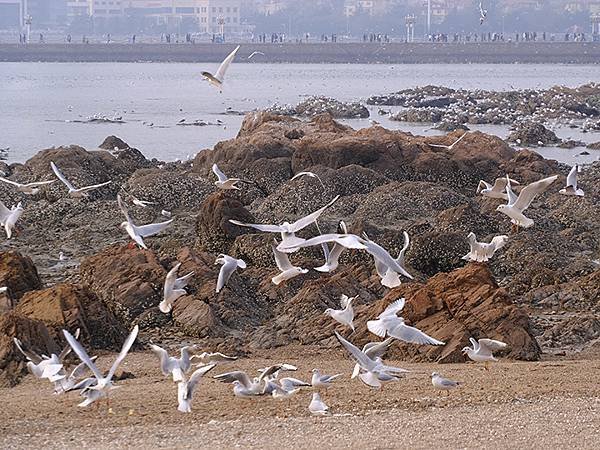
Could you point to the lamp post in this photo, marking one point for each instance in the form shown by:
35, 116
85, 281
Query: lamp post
410, 20
428, 17
28, 20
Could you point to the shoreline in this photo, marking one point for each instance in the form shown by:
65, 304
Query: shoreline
315, 53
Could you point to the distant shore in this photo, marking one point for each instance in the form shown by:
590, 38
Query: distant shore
341, 53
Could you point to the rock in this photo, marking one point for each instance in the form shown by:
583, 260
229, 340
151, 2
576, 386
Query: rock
112, 142
32, 333
532, 134
594, 146
68, 307
570, 143
18, 274
314, 106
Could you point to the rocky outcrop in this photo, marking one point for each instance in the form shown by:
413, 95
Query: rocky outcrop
68, 307
313, 106
533, 135
18, 274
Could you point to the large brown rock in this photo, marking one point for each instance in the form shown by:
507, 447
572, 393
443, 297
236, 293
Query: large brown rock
33, 333
18, 274
67, 306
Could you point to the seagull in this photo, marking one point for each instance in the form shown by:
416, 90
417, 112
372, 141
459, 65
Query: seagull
42, 366
389, 323
516, 205
288, 230
482, 13
286, 387
571, 188
449, 147
442, 383
27, 188
73, 192
344, 316
332, 256
185, 389
243, 385
229, 265
10, 217
253, 54
176, 367
223, 181
317, 407
174, 288
218, 78
376, 372
481, 251
166, 213
272, 372
498, 190
138, 233
70, 382
375, 351
288, 271
210, 358
103, 384
389, 277
482, 350
308, 174
322, 381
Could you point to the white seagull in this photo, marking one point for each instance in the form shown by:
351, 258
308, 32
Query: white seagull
571, 188
375, 351
497, 190
218, 78
288, 271
517, 204
186, 389
9, 217
229, 265
42, 366
322, 381
103, 384
344, 316
223, 181
389, 277
449, 147
174, 288
482, 13
171, 366
243, 385
317, 407
138, 233
445, 384
332, 257
289, 241
253, 54
482, 251
27, 188
73, 191
483, 349
214, 357
389, 323
308, 174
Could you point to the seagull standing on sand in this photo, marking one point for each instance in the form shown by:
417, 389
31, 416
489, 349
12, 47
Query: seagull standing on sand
288, 230
186, 389
317, 407
174, 288
483, 349
322, 381
10, 217
104, 384
218, 78
223, 181
229, 265
288, 271
481, 251
27, 188
498, 190
344, 316
389, 323
73, 191
138, 233
571, 188
517, 204
171, 366
445, 384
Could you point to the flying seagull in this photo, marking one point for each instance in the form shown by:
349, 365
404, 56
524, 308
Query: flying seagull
171, 366
571, 188
375, 351
186, 389
308, 174
174, 288
497, 190
517, 204
482, 13
223, 181
288, 230
10, 217
73, 191
449, 147
288, 271
482, 350
389, 323
481, 251
27, 188
218, 78
344, 316
322, 381
332, 257
389, 277
317, 407
103, 384
210, 358
138, 233
229, 265
253, 54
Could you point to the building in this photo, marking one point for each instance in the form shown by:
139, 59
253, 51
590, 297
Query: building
370, 7
44, 13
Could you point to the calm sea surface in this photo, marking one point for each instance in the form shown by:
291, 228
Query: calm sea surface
41, 102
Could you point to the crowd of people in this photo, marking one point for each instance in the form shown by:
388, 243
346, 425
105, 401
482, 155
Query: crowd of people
516, 37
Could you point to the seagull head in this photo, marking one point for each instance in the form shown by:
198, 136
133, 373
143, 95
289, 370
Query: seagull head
435, 374
123, 225
315, 371
328, 311
220, 259
466, 350
501, 208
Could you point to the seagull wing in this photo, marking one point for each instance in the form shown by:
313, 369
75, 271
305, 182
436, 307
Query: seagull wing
345, 240
281, 259
39, 183
14, 183
487, 346
124, 350
401, 256
512, 197
195, 379
183, 281
61, 177
151, 229
529, 192
393, 308
412, 335
238, 375
94, 186
572, 178
483, 185
220, 175
499, 184
499, 241
258, 226
377, 349
357, 355
5, 213
171, 277
82, 354
306, 221
163, 357
67, 349
220, 75
225, 273
124, 209
29, 354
